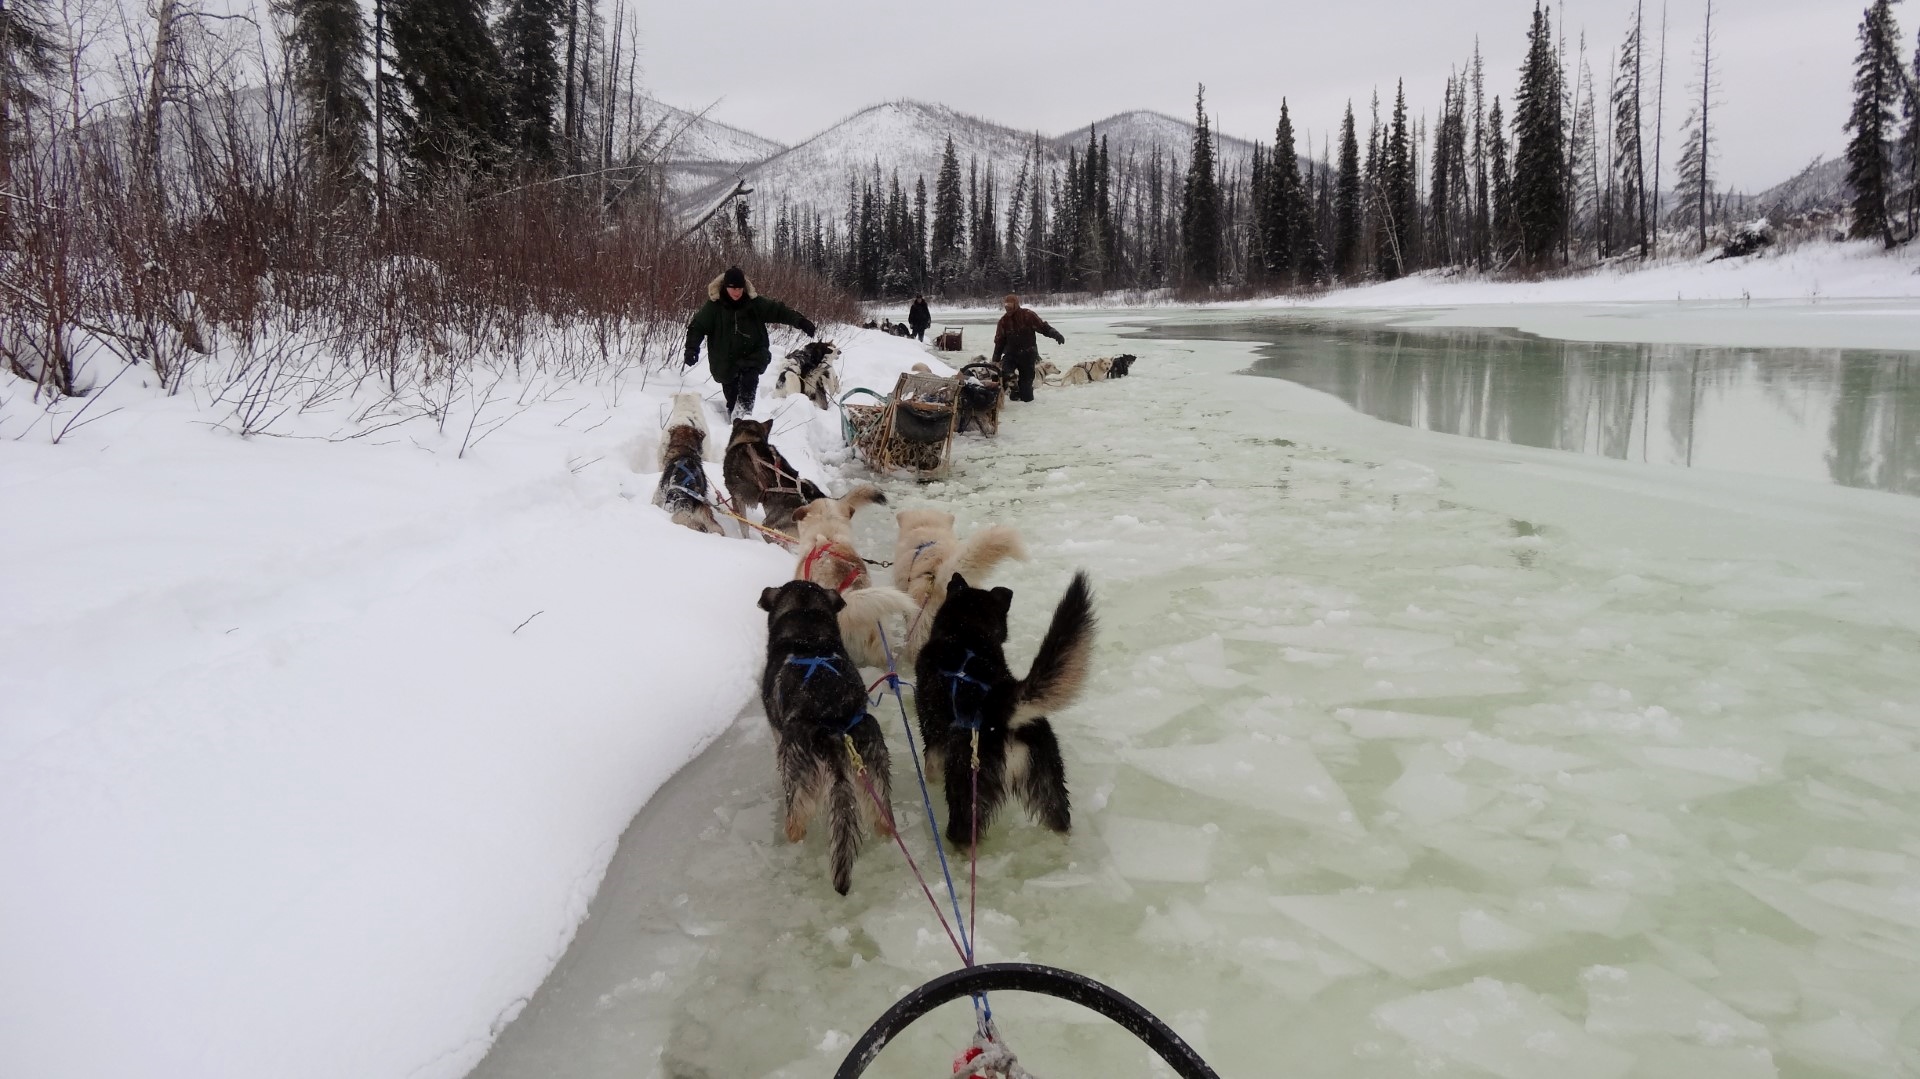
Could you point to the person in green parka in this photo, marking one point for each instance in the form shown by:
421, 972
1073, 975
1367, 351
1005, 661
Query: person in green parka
733, 323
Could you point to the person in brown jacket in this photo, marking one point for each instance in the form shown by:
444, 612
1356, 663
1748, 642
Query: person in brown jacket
1014, 347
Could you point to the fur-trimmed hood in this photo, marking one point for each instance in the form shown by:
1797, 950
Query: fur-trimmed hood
713, 288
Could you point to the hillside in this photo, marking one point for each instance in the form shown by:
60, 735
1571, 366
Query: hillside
1143, 129
907, 137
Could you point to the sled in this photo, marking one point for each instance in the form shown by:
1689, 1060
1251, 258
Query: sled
982, 389
948, 339
912, 431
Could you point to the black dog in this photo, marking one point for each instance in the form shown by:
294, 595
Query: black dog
816, 703
962, 685
1121, 365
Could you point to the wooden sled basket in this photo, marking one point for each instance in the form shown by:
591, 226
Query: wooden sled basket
912, 431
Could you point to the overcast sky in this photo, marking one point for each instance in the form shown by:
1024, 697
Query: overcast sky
787, 69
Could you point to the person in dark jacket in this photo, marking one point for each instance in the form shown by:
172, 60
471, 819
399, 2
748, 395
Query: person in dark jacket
919, 318
1015, 349
733, 323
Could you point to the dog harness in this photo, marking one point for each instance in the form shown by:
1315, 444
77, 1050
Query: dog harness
847, 582
954, 678
686, 478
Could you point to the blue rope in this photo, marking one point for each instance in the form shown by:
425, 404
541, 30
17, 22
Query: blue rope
983, 1012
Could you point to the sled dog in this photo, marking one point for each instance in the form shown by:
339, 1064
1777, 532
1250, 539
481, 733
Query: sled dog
928, 553
828, 558
964, 689
816, 702
808, 371
758, 475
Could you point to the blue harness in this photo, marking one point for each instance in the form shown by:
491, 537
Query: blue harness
954, 678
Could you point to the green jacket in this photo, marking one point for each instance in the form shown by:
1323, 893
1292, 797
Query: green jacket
736, 333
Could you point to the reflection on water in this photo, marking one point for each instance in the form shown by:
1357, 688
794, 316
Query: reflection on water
1848, 416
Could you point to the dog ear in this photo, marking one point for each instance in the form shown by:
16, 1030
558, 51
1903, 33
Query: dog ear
956, 585
835, 601
1003, 598
800, 512
767, 598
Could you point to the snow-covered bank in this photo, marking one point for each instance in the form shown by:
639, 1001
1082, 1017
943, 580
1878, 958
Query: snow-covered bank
312, 754
1590, 306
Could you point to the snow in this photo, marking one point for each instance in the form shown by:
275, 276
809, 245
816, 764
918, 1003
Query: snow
321, 751
315, 753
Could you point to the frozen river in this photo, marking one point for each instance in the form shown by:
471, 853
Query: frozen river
1407, 754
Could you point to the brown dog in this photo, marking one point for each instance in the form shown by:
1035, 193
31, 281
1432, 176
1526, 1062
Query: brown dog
757, 475
683, 490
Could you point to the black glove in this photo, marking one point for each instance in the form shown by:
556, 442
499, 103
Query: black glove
1059, 338
693, 356
805, 326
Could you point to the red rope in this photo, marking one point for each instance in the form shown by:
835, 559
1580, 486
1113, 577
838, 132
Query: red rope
887, 812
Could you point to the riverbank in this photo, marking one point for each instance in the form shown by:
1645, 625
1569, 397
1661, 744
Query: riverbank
317, 742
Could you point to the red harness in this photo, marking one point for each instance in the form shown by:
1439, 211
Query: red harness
832, 550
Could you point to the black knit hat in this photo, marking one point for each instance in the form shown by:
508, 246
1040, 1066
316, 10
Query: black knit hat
733, 278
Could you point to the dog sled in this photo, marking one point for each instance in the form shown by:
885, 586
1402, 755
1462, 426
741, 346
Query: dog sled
948, 340
911, 431
982, 389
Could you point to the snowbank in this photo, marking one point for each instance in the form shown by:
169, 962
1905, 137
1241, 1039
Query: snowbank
1809, 273
314, 753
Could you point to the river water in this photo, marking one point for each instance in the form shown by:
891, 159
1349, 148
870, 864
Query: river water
1407, 754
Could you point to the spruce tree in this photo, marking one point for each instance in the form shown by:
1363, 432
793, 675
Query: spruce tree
1876, 90
453, 119
1629, 159
1398, 196
919, 241
528, 41
327, 56
1482, 190
1346, 202
1200, 203
1502, 229
1695, 186
1539, 201
945, 256
1285, 204
1440, 193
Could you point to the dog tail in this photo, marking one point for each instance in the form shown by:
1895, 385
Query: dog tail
843, 810
981, 552
864, 495
1060, 668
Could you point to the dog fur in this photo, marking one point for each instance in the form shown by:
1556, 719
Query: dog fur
808, 371
825, 529
979, 401
683, 490
928, 553
758, 475
1089, 371
962, 683
1048, 372
815, 701
828, 558
1121, 365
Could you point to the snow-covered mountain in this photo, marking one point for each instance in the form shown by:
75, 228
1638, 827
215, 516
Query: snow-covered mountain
1141, 130
907, 137
700, 152
1820, 186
